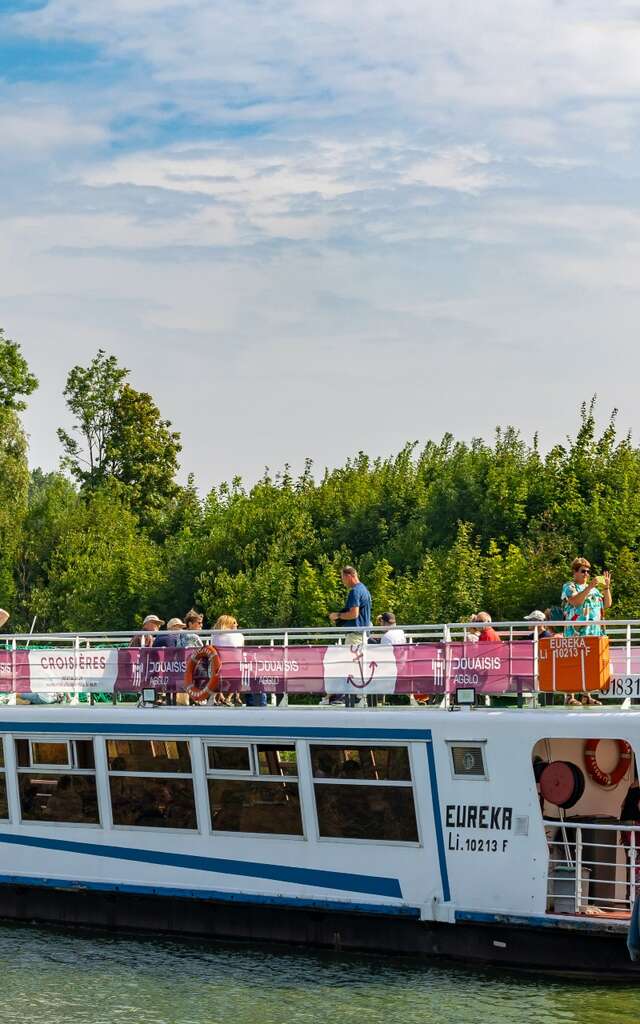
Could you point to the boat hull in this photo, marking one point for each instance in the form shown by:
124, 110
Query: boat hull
587, 950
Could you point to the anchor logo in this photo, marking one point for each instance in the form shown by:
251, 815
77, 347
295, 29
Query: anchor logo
358, 657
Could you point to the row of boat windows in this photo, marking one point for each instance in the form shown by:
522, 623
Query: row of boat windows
360, 792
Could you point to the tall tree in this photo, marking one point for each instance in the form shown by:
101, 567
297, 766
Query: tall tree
91, 393
119, 435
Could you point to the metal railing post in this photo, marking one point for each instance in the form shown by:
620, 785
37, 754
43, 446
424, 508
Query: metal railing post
633, 855
578, 873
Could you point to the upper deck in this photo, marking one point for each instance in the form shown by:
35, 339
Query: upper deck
434, 662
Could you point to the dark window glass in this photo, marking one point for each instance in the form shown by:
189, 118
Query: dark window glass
84, 754
45, 797
148, 756
153, 803
1, 753
4, 806
277, 760
50, 753
366, 812
380, 764
22, 754
468, 760
239, 805
229, 759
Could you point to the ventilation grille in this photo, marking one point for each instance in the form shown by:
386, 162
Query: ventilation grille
468, 761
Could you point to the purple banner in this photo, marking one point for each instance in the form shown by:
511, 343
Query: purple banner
423, 668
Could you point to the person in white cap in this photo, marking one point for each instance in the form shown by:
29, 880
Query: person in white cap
538, 618
170, 639
150, 625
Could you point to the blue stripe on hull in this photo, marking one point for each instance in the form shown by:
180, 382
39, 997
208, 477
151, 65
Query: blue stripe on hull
156, 728
372, 885
210, 895
437, 820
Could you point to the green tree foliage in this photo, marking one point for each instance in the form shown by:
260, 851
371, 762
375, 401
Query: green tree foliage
16, 380
120, 435
105, 573
437, 532
91, 394
16, 383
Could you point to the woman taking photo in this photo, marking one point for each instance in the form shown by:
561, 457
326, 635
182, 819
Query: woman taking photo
583, 601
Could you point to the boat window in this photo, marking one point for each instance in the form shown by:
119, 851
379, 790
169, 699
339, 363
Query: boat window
229, 759
60, 754
243, 805
364, 793
4, 805
259, 796
376, 813
277, 760
152, 803
51, 754
56, 781
375, 763
150, 784
149, 756
468, 760
57, 797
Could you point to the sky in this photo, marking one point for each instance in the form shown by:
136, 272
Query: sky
310, 229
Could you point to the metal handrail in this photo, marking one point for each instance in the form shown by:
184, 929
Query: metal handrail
614, 627
584, 871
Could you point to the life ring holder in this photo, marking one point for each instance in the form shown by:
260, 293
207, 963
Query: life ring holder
608, 780
198, 692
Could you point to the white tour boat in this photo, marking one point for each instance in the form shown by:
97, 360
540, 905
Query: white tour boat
487, 834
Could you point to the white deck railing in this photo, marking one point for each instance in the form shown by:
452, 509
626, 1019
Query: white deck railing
433, 653
594, 867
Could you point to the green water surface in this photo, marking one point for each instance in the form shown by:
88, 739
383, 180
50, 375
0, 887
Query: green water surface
53, 977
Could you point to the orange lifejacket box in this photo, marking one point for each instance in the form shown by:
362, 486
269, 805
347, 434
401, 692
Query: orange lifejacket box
567, 664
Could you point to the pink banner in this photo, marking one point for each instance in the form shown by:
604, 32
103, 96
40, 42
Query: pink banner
424, 668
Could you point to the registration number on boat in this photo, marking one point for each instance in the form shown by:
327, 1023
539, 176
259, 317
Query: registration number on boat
622, 686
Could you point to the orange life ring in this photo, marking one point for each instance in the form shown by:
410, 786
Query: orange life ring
607, 779
196, 690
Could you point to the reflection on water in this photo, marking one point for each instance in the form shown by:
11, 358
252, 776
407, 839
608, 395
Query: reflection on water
50, 977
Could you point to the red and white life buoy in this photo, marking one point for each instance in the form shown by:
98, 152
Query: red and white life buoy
607, 779
198, 688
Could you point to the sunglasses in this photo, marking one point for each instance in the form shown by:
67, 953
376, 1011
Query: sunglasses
585, 572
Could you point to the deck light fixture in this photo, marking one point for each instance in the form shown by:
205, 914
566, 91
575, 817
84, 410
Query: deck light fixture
465, 696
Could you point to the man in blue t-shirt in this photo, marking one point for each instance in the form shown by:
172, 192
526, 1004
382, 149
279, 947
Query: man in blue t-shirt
356, 612
357, 607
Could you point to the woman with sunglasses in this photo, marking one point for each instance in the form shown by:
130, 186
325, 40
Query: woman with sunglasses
583, 601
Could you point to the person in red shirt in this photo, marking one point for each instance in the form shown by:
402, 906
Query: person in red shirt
488, 634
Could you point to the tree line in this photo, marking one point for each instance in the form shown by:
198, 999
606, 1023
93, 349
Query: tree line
437, 531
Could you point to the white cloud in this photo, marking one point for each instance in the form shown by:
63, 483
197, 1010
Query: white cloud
273, 201
41, 127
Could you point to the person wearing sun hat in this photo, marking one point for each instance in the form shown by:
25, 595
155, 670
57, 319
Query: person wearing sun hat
170, 639
538, 618
150, 625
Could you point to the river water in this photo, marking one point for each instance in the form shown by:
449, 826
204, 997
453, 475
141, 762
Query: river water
53, 977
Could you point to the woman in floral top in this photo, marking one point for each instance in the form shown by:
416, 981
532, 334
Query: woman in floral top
582, 601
